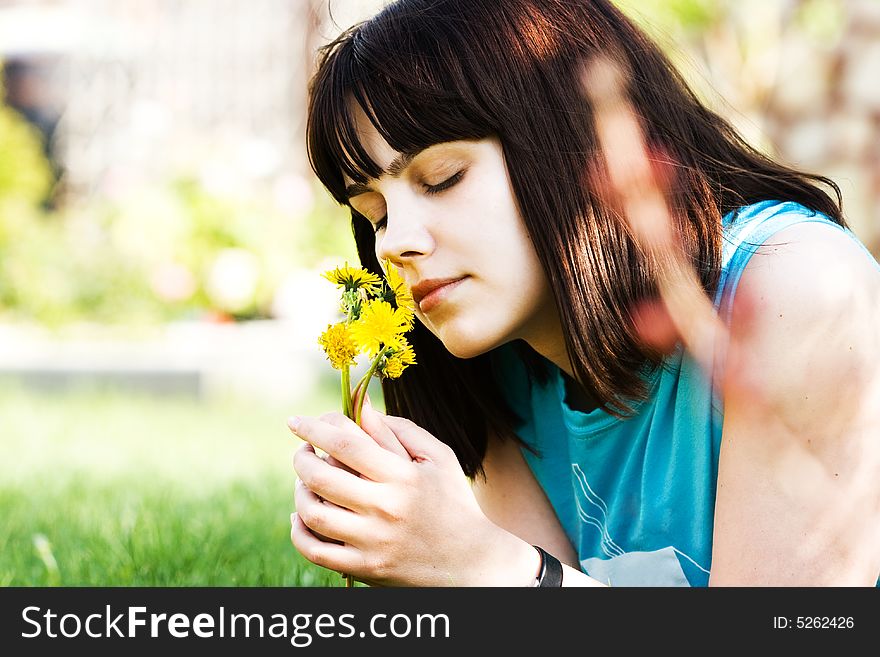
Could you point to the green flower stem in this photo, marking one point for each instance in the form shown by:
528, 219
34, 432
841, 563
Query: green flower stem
361, 389
347, 409
346, 392
357, 400
358, 389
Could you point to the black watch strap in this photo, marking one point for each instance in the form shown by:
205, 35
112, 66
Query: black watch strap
550, 574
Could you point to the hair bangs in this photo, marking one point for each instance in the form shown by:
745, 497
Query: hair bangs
332, 141
410, 90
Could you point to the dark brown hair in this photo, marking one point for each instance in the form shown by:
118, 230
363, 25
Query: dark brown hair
431, 71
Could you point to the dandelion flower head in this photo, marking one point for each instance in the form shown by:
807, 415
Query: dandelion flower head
379, 326
399, 359
339, 345
353, 278
399, 292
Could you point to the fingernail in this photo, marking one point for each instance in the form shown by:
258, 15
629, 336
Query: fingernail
292, 516
293, 422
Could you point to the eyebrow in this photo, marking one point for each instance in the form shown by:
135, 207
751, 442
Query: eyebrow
397, 167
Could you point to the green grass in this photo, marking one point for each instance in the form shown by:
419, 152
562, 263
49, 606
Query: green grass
108, 489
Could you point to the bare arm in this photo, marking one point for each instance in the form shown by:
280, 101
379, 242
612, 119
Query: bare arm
512, 499
798, 501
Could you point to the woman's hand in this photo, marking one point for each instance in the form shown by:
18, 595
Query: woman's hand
396, 509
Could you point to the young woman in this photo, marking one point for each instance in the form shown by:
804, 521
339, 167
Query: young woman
542, 412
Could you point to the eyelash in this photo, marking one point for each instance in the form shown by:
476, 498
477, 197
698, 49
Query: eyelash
446, 184
430, 190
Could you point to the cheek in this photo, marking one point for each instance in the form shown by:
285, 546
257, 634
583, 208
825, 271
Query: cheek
511, 263
489, 318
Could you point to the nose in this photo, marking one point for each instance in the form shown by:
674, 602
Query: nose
406, 235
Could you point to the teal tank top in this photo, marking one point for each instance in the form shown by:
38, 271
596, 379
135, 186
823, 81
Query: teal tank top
636, 496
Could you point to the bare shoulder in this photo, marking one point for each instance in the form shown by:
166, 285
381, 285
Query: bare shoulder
820, 258
807, 317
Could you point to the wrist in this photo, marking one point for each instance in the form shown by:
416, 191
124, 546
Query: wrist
550, 574
507, 561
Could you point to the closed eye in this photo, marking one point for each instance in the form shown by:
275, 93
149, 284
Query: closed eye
446, 184
429, 189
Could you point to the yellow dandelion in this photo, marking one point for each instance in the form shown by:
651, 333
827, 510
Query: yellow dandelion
399, 292
402, 293
353, 278
409, 316
339, 345
396, 292
393, 368
379, 326
400, 358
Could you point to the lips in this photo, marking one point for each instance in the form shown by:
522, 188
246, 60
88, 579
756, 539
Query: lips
432, 290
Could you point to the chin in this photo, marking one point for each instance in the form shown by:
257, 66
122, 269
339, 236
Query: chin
465, 353
465, 344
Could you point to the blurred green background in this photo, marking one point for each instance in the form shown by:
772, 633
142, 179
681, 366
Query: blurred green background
102, 488
161, 239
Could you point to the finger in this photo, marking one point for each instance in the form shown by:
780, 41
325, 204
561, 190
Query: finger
419, 444
336, 463
334, 484
340, 437
634, 181
296, 504
372, 422
741, 374
631, 174
693, 315
654, 326
327, 520
345, 558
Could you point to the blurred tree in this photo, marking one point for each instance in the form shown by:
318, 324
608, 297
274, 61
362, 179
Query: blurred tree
25, 174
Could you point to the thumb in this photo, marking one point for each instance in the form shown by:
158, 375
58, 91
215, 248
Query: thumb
418, 443
373, 423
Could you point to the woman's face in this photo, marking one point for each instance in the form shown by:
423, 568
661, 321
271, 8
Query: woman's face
449, 213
